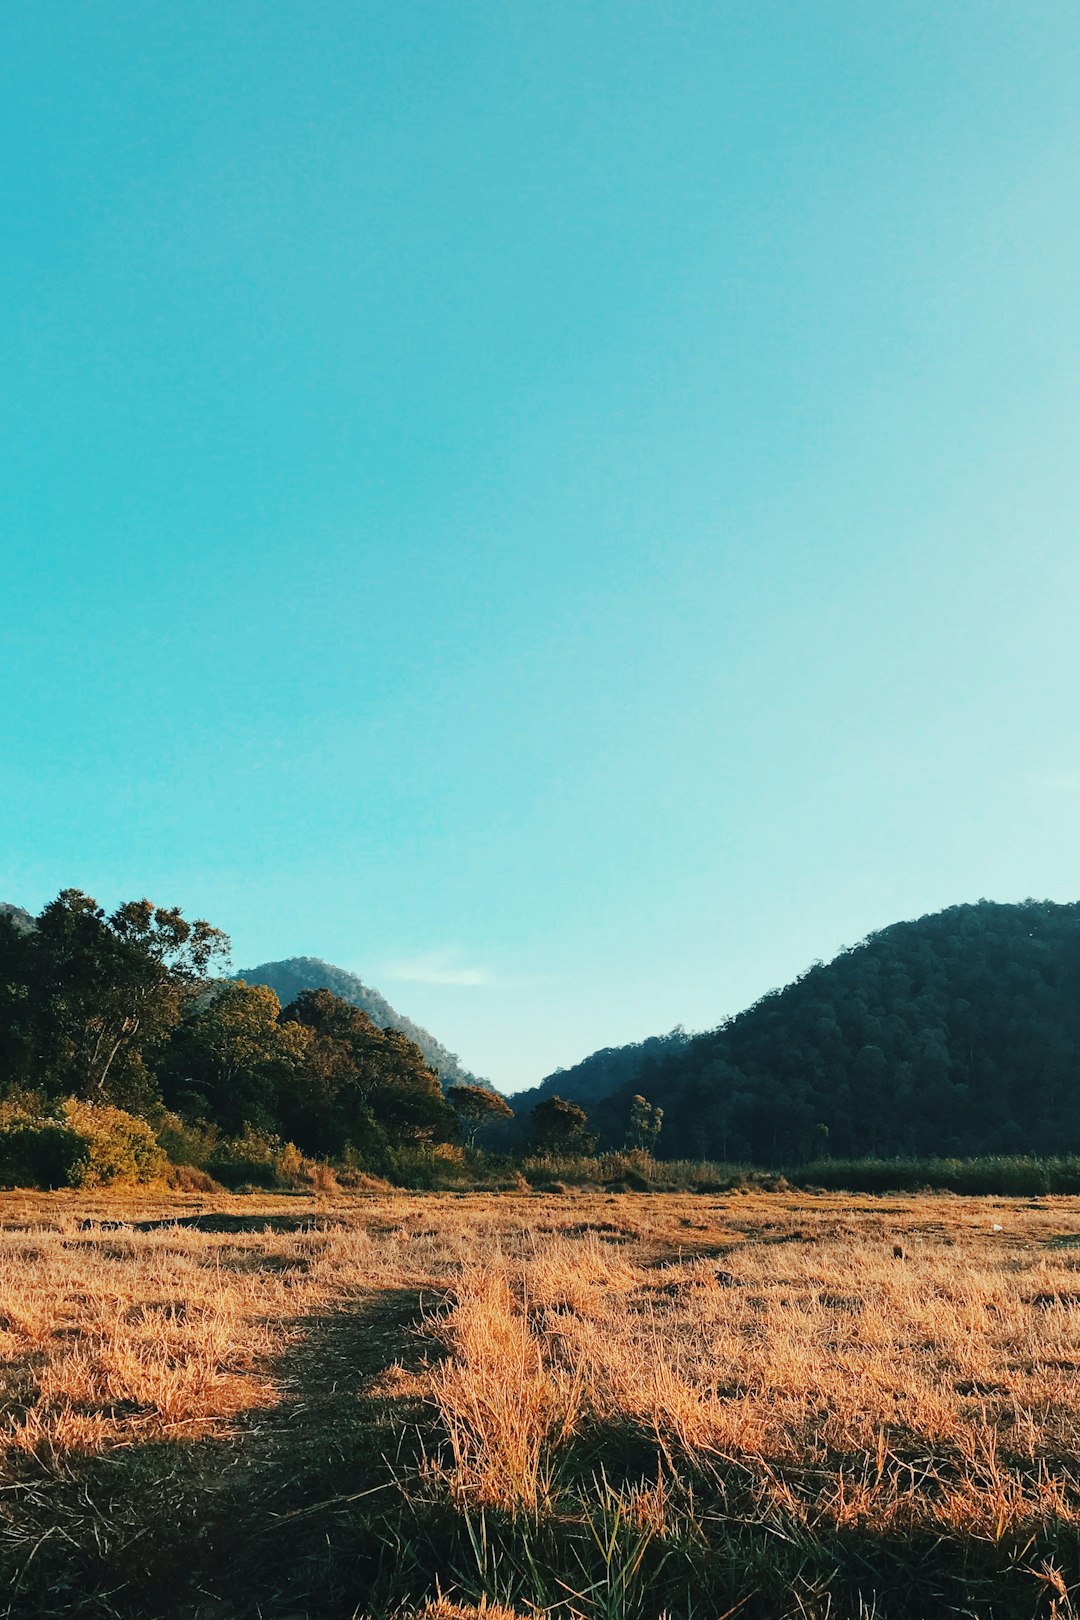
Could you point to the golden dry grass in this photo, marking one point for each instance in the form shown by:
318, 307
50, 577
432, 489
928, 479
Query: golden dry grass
937, 1388
749, 1384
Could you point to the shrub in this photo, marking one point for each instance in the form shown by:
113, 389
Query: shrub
246, 1160
321, 1178
36, 1149
259, 1159
189, 1178
186, 1143
429, 1165
115, 1146
361, 1181
79, 1144
636, 1171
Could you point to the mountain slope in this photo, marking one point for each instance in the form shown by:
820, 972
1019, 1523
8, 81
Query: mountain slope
611, 1070
957, 1033
289, 977
16, 916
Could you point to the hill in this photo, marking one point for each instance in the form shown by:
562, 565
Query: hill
18, 918
611, 1070
955, 1033
296, 973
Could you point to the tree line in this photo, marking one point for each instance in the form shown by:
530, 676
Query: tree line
957, 1034
125, 1016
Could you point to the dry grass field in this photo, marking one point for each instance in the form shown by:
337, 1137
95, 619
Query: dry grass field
578, 1405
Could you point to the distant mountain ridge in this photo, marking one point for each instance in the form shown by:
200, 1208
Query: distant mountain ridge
288, 977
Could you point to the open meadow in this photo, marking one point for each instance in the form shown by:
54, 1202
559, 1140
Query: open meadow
585, 1404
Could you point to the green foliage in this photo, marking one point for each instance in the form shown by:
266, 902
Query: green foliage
646, 1123
79, 1144
253, 1158
86, 999
430, 1165
117, 1147
289, 978
232, 1057
609, 1070
634, 1170
956, 1034
358, 1085
558, 1126
120, 1012
186, 1142
951, 1040
37, 1149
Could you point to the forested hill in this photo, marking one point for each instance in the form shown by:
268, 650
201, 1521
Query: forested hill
298, 973
956, 1033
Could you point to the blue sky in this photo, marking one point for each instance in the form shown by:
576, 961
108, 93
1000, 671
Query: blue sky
569, 511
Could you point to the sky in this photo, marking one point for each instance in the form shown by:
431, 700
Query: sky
569, 511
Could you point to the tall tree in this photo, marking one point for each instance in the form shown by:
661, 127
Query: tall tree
107, 989
476, 1106
558, 1126
368, 1080
231, 1058
646, 1122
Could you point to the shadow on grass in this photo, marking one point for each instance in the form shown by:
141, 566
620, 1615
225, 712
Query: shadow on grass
217, 1222
302, 1515
271, 1521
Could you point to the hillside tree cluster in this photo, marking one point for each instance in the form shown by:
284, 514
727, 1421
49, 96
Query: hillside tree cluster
127, 1011
954, 1034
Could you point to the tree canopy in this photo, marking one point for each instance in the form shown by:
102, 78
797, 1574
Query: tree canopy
85, 998
955, 1034
475, 1107
559, 1126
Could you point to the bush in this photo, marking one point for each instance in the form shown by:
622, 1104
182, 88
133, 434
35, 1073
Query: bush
635, 1170
429, 1165
259, 1159
247, 1160
189, 1178
36, 1149
116, 1147
321, 1178
79, 1144
186, 1143
360, 1181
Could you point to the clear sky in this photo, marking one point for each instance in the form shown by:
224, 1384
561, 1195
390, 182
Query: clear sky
569, 510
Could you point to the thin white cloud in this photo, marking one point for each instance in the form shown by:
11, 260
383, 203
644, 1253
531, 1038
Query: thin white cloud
436, 967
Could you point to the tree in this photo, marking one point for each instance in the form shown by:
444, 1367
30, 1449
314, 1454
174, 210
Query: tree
559, 1126
19, 1021
231, 1057
645, 1125
371, 1083
107, 989
476, 1106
